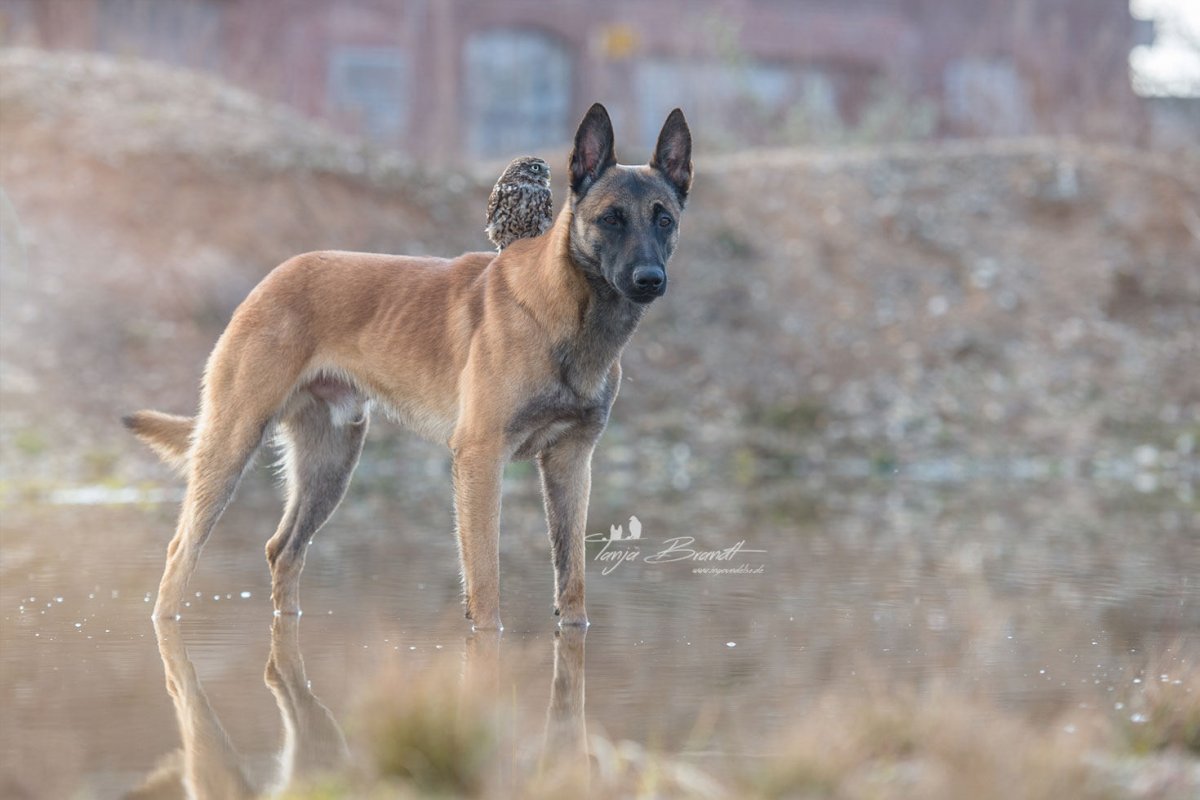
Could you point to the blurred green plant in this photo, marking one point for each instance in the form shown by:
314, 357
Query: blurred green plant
30, 442
1162, 712
734, 243
802, 415
100, 465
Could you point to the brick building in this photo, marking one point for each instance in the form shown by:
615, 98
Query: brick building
487, 78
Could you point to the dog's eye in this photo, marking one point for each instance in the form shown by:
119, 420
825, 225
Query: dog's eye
611, 219
665, 221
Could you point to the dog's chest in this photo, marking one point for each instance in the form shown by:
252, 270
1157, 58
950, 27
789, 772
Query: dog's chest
555, 413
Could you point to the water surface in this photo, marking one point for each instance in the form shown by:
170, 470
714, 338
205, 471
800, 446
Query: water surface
1039, 598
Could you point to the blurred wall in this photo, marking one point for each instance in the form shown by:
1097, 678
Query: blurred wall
487, 78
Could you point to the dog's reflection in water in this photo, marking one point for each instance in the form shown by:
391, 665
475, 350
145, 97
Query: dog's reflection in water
566, 728
209, 766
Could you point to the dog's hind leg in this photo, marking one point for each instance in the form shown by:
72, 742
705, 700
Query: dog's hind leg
223, 449
247, 381
322, 444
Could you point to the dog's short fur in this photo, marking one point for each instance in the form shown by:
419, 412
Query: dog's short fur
500, 357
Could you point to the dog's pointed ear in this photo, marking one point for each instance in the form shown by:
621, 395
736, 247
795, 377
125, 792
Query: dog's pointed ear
673, 153
593, 151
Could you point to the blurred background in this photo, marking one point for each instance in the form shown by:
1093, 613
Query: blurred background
921, 230
450, 79
932, 342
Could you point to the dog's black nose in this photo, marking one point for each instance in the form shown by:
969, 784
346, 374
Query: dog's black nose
649, 279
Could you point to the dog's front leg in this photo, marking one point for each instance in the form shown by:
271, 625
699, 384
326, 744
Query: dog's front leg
478, 467
566, 468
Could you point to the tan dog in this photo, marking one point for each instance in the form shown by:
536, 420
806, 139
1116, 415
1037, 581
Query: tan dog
510, 356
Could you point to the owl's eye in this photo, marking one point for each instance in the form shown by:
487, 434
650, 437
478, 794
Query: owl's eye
535, 168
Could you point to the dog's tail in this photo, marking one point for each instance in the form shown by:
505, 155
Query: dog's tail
167, 434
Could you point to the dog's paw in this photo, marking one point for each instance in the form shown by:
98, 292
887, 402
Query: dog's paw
485, 621
494, 625
482, 619
575, 619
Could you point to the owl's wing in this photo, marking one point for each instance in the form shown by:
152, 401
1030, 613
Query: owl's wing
493, 201
545, 211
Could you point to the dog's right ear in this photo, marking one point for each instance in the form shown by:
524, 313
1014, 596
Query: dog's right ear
593, 151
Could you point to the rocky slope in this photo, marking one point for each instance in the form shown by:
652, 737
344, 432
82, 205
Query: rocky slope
963, 304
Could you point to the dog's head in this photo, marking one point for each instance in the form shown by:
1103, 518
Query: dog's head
625, 220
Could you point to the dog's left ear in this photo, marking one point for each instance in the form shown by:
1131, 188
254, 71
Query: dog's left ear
673, 154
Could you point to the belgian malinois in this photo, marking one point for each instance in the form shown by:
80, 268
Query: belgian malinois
510, 356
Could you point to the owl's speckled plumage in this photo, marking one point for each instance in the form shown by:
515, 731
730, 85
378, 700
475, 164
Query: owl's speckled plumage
520, 205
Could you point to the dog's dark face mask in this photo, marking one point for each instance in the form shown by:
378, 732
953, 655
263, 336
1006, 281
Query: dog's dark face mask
625, 220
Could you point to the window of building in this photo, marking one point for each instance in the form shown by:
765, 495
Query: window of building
185, 33
517, 92
734, 102
986, 96
368, 87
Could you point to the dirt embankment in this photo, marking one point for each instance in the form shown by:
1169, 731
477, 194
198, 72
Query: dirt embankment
967, 301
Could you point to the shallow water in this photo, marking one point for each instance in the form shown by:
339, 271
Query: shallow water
1039, 598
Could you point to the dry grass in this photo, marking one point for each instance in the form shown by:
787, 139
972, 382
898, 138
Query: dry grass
442, 735
435, 738
431, 734
937, 744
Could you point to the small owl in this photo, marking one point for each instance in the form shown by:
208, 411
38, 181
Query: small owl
520, 203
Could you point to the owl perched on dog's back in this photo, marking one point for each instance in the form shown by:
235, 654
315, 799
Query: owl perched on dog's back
520, 204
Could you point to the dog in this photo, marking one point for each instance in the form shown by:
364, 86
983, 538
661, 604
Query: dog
501, 357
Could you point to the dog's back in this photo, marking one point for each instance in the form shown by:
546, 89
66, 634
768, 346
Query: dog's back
312, 310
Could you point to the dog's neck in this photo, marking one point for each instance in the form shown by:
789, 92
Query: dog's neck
607, 321
589, 318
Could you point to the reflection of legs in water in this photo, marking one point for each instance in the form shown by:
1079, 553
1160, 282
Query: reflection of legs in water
211, 765
566, 726
481, 663
565, 742
481, 681
312, 740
